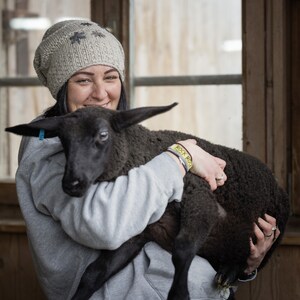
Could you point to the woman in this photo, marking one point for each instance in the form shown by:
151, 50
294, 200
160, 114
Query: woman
82, 64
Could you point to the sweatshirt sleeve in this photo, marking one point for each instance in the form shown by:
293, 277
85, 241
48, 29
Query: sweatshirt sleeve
111, 212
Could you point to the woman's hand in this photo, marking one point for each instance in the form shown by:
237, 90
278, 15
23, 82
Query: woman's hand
205, 165
266, 233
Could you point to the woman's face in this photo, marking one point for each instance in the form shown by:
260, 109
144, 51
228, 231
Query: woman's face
95, 85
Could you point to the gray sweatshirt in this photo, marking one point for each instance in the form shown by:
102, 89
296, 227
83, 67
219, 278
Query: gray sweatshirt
65, 234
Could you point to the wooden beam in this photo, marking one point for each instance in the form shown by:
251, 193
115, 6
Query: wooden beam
8, 194
254, 76
114, 15
12, 226
280, 98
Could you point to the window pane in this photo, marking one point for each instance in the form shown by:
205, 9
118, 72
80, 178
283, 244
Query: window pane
187, 37
20, 39
24, 105
191, 37
210, 112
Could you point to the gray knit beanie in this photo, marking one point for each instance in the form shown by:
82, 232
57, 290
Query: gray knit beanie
69, 46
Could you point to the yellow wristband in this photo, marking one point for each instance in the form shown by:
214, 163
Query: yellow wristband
183, 154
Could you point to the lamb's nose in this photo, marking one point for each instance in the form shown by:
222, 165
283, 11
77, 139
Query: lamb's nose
75, 188
75, 183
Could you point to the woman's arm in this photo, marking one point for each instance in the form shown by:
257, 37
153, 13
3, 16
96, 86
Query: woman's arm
111, 212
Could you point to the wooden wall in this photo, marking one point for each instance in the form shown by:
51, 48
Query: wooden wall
279, 280
18, 280
271, 79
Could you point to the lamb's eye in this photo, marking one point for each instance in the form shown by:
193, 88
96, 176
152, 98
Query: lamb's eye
103, 135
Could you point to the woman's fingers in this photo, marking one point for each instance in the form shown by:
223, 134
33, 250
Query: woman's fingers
205, 165
220, 162
266, 234
269, 227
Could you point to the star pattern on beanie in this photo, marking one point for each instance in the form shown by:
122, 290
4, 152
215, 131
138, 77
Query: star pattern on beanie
98, 34
86, 24
77, 36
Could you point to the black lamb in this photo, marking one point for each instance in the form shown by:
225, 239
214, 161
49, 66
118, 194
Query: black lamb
101, 144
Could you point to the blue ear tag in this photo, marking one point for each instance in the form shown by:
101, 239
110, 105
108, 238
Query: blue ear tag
42, 134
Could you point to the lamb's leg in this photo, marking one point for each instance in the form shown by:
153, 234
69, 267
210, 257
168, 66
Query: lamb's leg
106, 265
183, 254
231, 239
199, 214
231, 268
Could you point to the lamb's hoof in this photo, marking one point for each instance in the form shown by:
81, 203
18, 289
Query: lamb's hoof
226, 277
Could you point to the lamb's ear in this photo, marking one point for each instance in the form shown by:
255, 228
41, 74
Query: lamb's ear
126, 118
49, 125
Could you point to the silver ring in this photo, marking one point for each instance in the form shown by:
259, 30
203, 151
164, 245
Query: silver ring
220, 178
269, 235
274, 228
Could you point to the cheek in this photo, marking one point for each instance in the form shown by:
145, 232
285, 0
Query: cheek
114, 95
76, 97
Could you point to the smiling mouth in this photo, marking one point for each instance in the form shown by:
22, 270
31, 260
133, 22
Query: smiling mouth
101, 105
105, 105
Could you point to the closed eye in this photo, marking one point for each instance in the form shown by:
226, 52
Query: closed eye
111, 77
83, 81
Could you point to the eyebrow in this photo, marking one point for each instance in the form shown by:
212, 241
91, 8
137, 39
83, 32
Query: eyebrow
91, 73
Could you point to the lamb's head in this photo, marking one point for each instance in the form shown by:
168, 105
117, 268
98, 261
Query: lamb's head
88, 136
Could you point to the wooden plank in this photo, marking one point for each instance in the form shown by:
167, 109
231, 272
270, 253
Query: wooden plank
114, 15
269, 82
278, 280
17, 275
125, 41
280, 120
8, 193
295, 74
12, 226
97, 11
254, 110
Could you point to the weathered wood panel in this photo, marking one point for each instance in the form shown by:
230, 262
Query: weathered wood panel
254, 110
114, 15
295, 105
279, 280
17, 276
8, 194
280, 164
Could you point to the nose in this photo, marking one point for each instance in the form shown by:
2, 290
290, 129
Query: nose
99, 91
74, 187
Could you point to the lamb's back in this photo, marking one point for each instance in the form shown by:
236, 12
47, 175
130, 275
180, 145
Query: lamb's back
250, 186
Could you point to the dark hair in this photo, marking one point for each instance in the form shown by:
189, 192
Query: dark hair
60, 107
